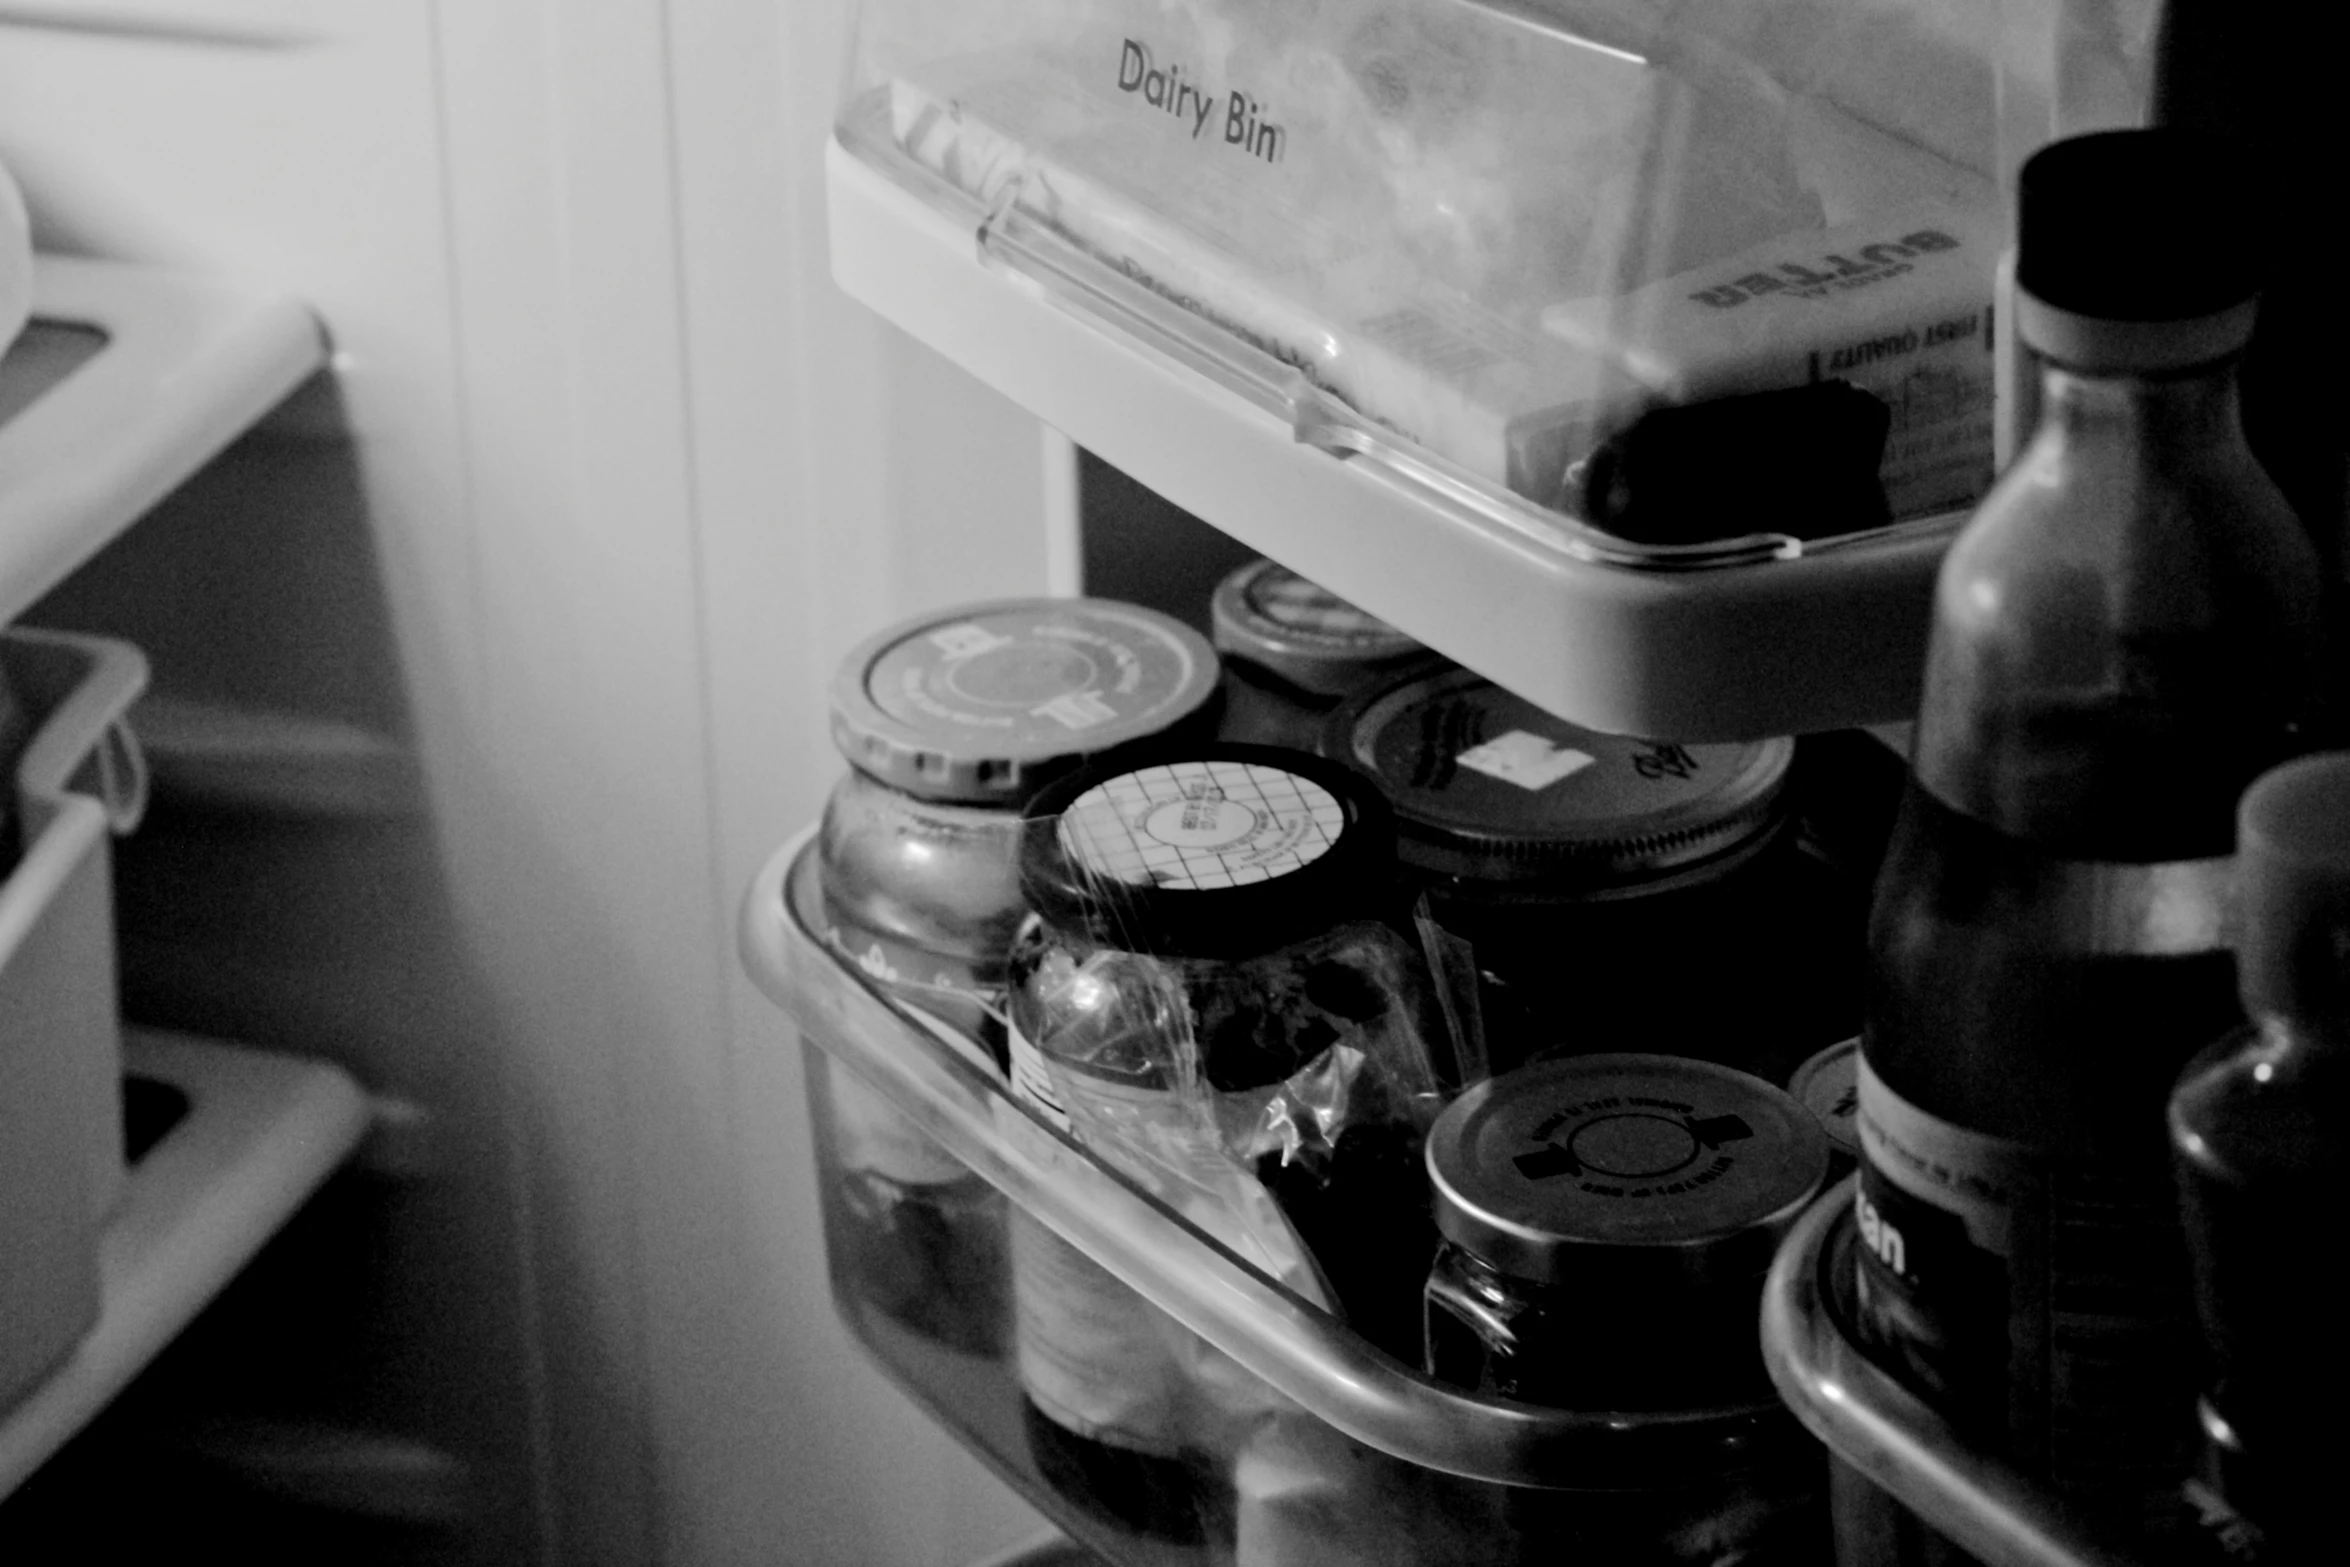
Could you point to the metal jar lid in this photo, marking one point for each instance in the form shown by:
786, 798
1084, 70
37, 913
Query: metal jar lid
1303, 632
985, 703
1208, 851
1640, 1171
1487, 786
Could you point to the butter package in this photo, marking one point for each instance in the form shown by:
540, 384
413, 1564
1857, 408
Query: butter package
1376, 206
1898, 306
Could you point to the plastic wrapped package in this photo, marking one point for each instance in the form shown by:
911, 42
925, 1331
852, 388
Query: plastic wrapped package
1480, 227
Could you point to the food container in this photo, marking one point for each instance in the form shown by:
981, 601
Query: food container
951, 721
61, 1154
1606, 891
1292, 652
1327, 1450
1608, 1222
1209, 1000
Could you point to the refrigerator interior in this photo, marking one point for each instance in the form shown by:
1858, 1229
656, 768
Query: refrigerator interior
485, 671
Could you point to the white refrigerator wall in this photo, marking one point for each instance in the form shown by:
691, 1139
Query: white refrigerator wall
606, 478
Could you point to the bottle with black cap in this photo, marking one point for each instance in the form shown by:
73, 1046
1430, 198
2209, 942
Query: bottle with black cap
1610, 891
1207, 928
2125, 635
2260, 1132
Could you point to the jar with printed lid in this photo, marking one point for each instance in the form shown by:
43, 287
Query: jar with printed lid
1293, 651
1210, 1001
951, 722
1591, 891
1608, 1221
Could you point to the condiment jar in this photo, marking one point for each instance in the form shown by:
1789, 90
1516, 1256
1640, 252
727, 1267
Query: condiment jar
1293, 651
1607, 1223
1207, 930
1606, 890
950, 722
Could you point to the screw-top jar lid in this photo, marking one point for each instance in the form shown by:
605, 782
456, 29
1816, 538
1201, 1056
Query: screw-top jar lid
1828, 1085
1303, 632
985, 703
2135, 251
1212, 851
1488, 786
2293, 885
1624, 1171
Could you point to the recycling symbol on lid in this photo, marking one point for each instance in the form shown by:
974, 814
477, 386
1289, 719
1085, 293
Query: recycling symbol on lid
1632, 1145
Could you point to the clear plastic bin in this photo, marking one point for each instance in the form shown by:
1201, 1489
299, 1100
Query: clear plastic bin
1502, 240
1303, 1444
77, 780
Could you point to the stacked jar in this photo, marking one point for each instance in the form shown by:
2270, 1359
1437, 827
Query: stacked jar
1608, 893
1608, 1221
951, 722
1209, 1001
1293, 651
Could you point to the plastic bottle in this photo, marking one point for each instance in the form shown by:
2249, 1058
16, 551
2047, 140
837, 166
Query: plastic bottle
2125, 635
2260, 1129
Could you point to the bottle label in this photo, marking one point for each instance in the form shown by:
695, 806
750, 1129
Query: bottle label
2037, 1301
1202, 824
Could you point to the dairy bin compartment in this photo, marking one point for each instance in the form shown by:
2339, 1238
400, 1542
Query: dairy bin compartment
1541, 251
1166, 1399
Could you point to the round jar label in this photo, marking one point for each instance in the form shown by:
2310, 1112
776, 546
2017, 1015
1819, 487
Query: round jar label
1201, 825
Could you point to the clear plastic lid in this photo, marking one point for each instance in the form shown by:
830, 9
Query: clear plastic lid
1486, 785
1504, 232
987, 702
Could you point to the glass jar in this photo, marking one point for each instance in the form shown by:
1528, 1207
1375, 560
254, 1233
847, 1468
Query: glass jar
1608, 1221
1292, 651
1604, 890
1209, 1000
951, 722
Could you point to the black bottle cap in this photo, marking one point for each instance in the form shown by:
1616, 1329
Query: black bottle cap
2136, 225
1206, 851
2293, 866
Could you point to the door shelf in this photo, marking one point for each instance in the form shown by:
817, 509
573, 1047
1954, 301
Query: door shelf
126, 381
259, 1134
1876, 1426
1768, 636
1438, 1450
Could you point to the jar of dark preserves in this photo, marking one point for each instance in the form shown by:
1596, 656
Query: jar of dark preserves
1608, 891
1210, 1000
1293, 651
951, 722
1608, 1221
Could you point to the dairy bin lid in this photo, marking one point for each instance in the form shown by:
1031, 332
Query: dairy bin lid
1488, 786
1624, 1168
1303, 632
984, 703
1214, 851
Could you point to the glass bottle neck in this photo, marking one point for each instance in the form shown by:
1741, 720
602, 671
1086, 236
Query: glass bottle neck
2192, 411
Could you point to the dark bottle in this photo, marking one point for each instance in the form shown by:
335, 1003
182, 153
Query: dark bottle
2126, 634
2260, 1129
